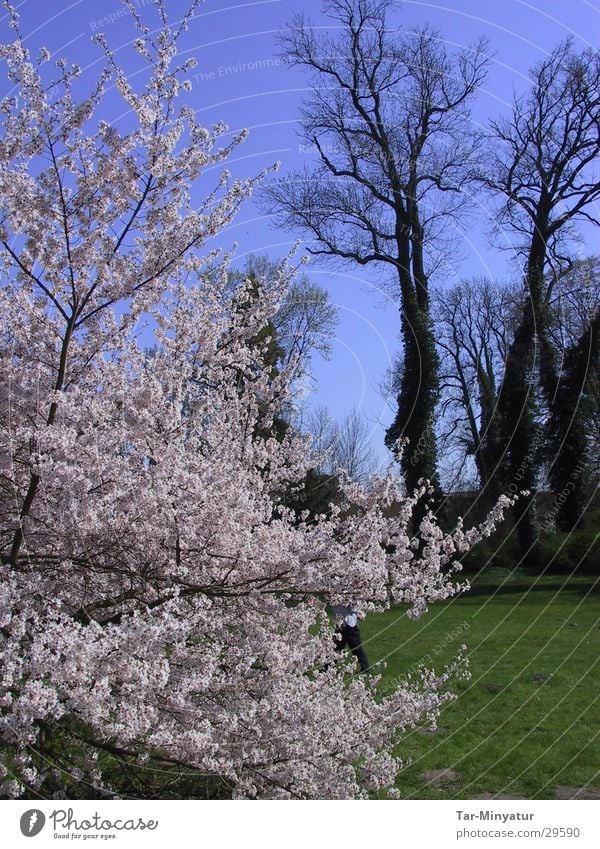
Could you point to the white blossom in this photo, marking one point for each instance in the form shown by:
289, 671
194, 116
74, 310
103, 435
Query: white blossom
158, 595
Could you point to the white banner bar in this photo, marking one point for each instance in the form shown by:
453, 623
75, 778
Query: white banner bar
271, 824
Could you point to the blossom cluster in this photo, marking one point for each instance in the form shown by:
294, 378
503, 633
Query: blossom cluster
159, 599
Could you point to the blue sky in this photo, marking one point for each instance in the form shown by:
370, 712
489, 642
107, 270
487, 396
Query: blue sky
238, 82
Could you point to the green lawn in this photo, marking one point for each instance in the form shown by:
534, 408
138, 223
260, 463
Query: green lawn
529, 717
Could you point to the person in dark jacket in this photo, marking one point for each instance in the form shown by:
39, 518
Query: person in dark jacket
349, 634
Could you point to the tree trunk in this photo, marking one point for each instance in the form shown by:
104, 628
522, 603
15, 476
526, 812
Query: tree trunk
517, 451
569, 473
417, 400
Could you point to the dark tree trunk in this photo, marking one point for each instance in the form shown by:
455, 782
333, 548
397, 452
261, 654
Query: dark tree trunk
518, 451
518, 461
417, 400
569, 472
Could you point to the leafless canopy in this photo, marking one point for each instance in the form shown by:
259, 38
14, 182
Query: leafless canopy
545, 161
387, 119
474, 323
344, 445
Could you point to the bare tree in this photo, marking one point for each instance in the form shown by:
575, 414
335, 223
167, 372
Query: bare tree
321, 428
353, 450
345, 445
542, 167
388, 119
474, 321
573, 296
306, 321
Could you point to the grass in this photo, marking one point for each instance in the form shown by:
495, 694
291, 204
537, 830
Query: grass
529, 717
